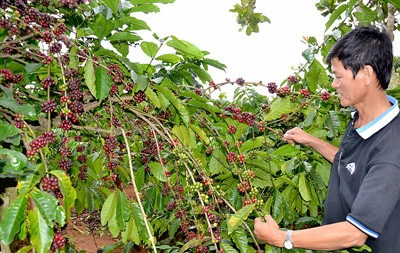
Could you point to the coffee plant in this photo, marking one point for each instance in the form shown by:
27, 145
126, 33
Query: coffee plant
80, 122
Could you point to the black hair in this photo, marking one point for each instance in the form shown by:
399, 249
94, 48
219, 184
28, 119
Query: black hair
365, 45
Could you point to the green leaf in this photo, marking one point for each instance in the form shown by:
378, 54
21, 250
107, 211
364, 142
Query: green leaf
316, 77
200, 133
303, 188
278, 107
103, 83
102, 27
108, 209
141, 82
151, 1
41, 235
12, 219
124, 36
252, 144
46, 205
208, 107
122, 210
121, 47
16, 160
175, 102
113, 226
201, 73
113, 5
332, 122
32, 67
239, 236
90, 77
171, 58
286, 150
153, 98
27, 110
186, 48
227, 247
237, 219
139, 178
216, 165
335, 16
149, 48
68, 191
158, 172
132, 22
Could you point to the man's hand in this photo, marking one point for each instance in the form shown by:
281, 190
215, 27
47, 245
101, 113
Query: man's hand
298, 135
269, 231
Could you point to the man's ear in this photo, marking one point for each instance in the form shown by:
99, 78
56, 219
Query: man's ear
369, 74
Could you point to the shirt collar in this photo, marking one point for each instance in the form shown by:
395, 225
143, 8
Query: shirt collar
377, 124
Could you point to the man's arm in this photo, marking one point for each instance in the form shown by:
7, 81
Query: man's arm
299, 136
335, 236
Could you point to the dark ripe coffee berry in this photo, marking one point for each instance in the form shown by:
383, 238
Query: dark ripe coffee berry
240, 81
47, 37
305, 93
272, 87
49, 106
325, 96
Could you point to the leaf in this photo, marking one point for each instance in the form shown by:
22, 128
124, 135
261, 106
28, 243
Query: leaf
316, 77
151, 1
12, 219
208, 107
157, 171
171, 58
286, 150
113, 5
139, 178
140, 81
237, 219
27, 110
216, 165
16, 160
239, 236
90, 77
103, 83
108, 209
41, 235
201, 73
175, 102
132, 22
185, 47
332, 122
32, 67
227, 247
303, 188
46, 205
68, 191
200, 133
335, 15
149, 48
252, 144
153, 98
278, 107
102, 27
122, 210
124, 36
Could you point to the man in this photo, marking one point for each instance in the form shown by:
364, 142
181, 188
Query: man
362, 203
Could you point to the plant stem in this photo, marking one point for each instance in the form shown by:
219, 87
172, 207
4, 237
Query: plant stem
146, 222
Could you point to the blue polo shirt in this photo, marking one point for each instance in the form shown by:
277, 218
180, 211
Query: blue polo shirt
364, 187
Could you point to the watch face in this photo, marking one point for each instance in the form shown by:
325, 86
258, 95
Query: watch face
288, 245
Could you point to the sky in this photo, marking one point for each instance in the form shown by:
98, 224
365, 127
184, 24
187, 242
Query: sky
267, 56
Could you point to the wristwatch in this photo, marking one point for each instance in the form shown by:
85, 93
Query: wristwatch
288, 243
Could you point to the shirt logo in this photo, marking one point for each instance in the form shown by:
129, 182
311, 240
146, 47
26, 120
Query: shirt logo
351, 167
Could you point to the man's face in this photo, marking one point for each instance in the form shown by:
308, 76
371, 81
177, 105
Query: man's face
351, 91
